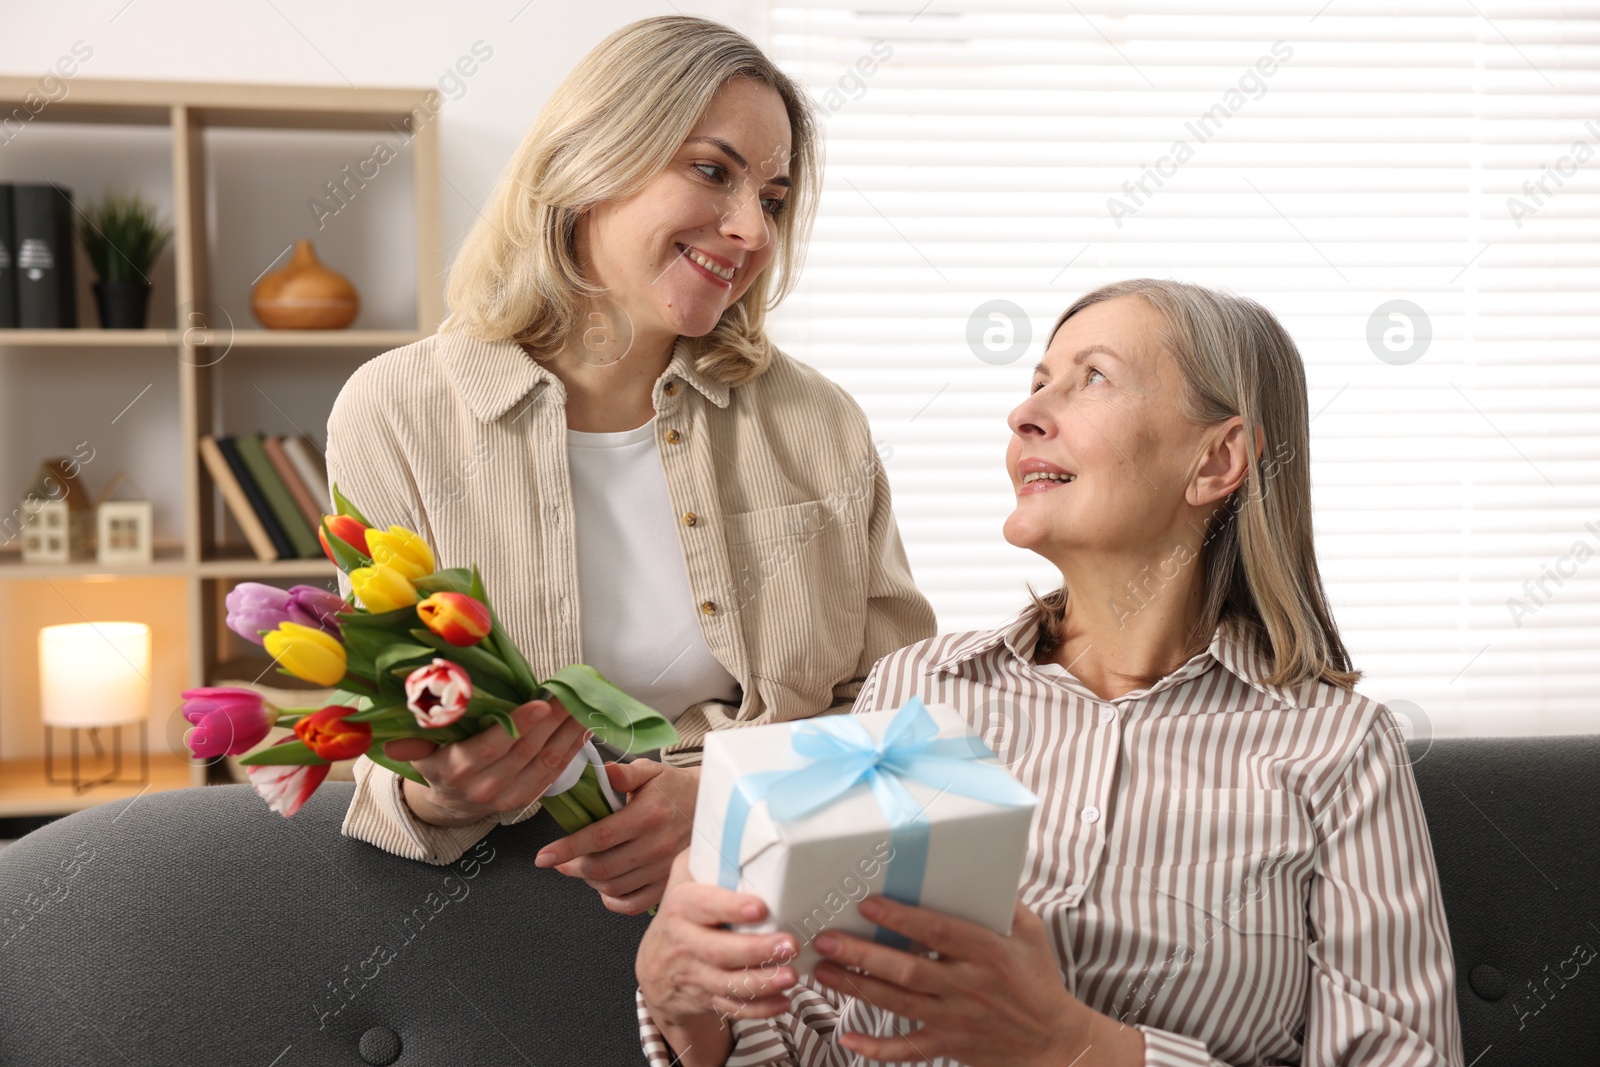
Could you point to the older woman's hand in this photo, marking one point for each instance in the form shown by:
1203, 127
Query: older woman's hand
626, 857
987, 999
691, 970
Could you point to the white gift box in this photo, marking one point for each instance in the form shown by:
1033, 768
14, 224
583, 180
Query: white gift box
811, 870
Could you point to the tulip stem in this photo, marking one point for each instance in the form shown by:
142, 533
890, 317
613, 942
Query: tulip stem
359, 680
586, 794
566, 812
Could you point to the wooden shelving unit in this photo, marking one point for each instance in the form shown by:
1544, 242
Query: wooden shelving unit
173, 339
204, 568
24, 791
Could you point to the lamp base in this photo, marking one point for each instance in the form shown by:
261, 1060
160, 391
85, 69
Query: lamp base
78, 783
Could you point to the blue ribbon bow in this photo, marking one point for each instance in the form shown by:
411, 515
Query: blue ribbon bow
843, 756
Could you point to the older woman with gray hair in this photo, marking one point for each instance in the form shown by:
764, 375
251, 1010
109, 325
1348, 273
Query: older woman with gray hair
1229, 864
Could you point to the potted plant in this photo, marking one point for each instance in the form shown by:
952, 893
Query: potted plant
123, 236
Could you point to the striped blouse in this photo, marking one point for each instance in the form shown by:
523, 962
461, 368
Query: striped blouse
1241, 871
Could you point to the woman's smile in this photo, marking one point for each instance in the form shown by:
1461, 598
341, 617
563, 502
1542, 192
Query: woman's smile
1037, 476
713, 268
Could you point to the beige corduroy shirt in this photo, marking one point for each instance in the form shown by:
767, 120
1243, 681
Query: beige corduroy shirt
793, 555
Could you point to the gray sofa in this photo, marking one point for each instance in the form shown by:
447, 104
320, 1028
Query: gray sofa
197, 927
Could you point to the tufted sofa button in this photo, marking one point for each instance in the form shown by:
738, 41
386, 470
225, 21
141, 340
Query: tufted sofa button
1487, 982
380, 1046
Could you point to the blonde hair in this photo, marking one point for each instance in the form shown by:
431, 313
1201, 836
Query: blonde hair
1260, 565
613, 124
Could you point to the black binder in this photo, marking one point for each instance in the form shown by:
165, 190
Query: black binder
46, 287
8, 254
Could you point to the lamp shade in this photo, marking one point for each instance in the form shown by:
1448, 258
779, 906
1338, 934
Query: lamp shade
94, 673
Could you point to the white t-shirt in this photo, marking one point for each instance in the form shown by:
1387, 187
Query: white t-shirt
640, 623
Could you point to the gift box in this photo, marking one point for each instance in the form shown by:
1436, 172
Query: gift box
812, 816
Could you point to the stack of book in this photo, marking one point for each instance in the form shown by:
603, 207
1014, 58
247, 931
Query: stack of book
276, 488
38, 289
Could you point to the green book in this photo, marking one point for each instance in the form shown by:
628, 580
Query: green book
283, 507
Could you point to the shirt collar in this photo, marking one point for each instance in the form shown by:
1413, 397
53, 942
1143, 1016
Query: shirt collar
492, 376
1230, 647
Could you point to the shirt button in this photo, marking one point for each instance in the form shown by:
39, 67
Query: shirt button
672, 437
1074, 891
1108, 715
1091, 814
690, 518
708, 607
671, 388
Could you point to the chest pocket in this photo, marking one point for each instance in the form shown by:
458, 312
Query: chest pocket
800, 578
1236, 859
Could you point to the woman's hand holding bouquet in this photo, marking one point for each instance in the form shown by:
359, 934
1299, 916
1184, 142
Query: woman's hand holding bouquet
421, 655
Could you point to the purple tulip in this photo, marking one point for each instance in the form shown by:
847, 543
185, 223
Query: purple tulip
228, 721
310, 606
254, 607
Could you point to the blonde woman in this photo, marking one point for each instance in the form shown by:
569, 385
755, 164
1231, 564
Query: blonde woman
1230, 863
603, 425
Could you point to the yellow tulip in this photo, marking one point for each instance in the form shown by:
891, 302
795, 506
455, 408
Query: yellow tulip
401, 549
382, 587
307, 652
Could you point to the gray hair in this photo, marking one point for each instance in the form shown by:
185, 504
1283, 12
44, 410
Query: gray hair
1260, 564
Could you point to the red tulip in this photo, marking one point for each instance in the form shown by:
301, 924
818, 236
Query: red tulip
438, 693
458, 618
331, 736
350, 530
286, 786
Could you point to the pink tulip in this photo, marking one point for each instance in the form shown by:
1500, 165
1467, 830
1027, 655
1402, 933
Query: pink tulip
438, 693
286, 786
228, 721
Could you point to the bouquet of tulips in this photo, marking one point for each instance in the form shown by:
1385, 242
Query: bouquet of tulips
418, 652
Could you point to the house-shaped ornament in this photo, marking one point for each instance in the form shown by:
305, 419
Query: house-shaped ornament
59, 515
123, 525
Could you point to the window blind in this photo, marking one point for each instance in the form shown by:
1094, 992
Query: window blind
1413, 187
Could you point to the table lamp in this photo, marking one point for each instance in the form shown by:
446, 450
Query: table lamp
94, 674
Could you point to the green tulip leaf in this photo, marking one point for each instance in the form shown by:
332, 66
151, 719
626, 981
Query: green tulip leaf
343, 506
401, 653
346, 555
481, 704
354, 682
405, 770
384, 710
503, 718
448, 580
488, 674
615, 717
395, 622
286, 752
472, 657
366, 637
509, 652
